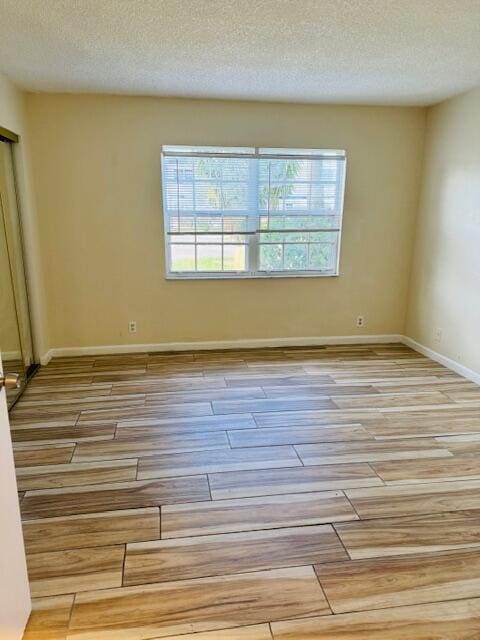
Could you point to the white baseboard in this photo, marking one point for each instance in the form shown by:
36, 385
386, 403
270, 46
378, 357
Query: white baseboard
11, 355
472, 375
310, 341
46, 357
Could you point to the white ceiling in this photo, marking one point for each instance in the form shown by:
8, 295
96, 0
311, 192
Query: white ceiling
344, 51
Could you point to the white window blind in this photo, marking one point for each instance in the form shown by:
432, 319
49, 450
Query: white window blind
237, 211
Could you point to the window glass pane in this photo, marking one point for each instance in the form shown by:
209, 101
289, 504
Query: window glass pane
173, 148
209, 257
329, 170
234, 258
182, 257
234, 239
235, 224
235, 197
180, 197
327, 237
212, 196
321, 256
324, 197
271, 257
181, 223
296, 256
268, 238
208, 197
295, 237
303, 152
325, 222
208, 239
213, 223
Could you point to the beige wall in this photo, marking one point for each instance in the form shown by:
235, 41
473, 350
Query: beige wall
97, 180
445, 284
11, 105
12, 116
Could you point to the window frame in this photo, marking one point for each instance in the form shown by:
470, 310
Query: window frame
252, 244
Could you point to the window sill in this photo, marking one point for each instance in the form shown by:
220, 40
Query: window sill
247, 276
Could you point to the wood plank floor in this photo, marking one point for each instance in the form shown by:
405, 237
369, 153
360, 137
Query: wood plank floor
268, 494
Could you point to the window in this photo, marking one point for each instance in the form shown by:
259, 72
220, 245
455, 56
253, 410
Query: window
248, 212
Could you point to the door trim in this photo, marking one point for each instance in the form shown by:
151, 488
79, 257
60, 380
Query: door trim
8, 136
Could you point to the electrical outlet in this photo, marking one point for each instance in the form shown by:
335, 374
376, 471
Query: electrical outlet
437, 335
132, 326
360, 321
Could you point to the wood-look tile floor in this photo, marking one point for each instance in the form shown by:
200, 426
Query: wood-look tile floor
325, 493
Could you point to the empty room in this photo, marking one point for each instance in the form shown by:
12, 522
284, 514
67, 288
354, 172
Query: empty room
240, 320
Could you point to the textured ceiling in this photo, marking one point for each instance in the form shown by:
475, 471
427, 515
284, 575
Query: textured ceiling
349, 51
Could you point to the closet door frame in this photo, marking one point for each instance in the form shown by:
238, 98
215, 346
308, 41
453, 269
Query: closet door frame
16, 247
8, 136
